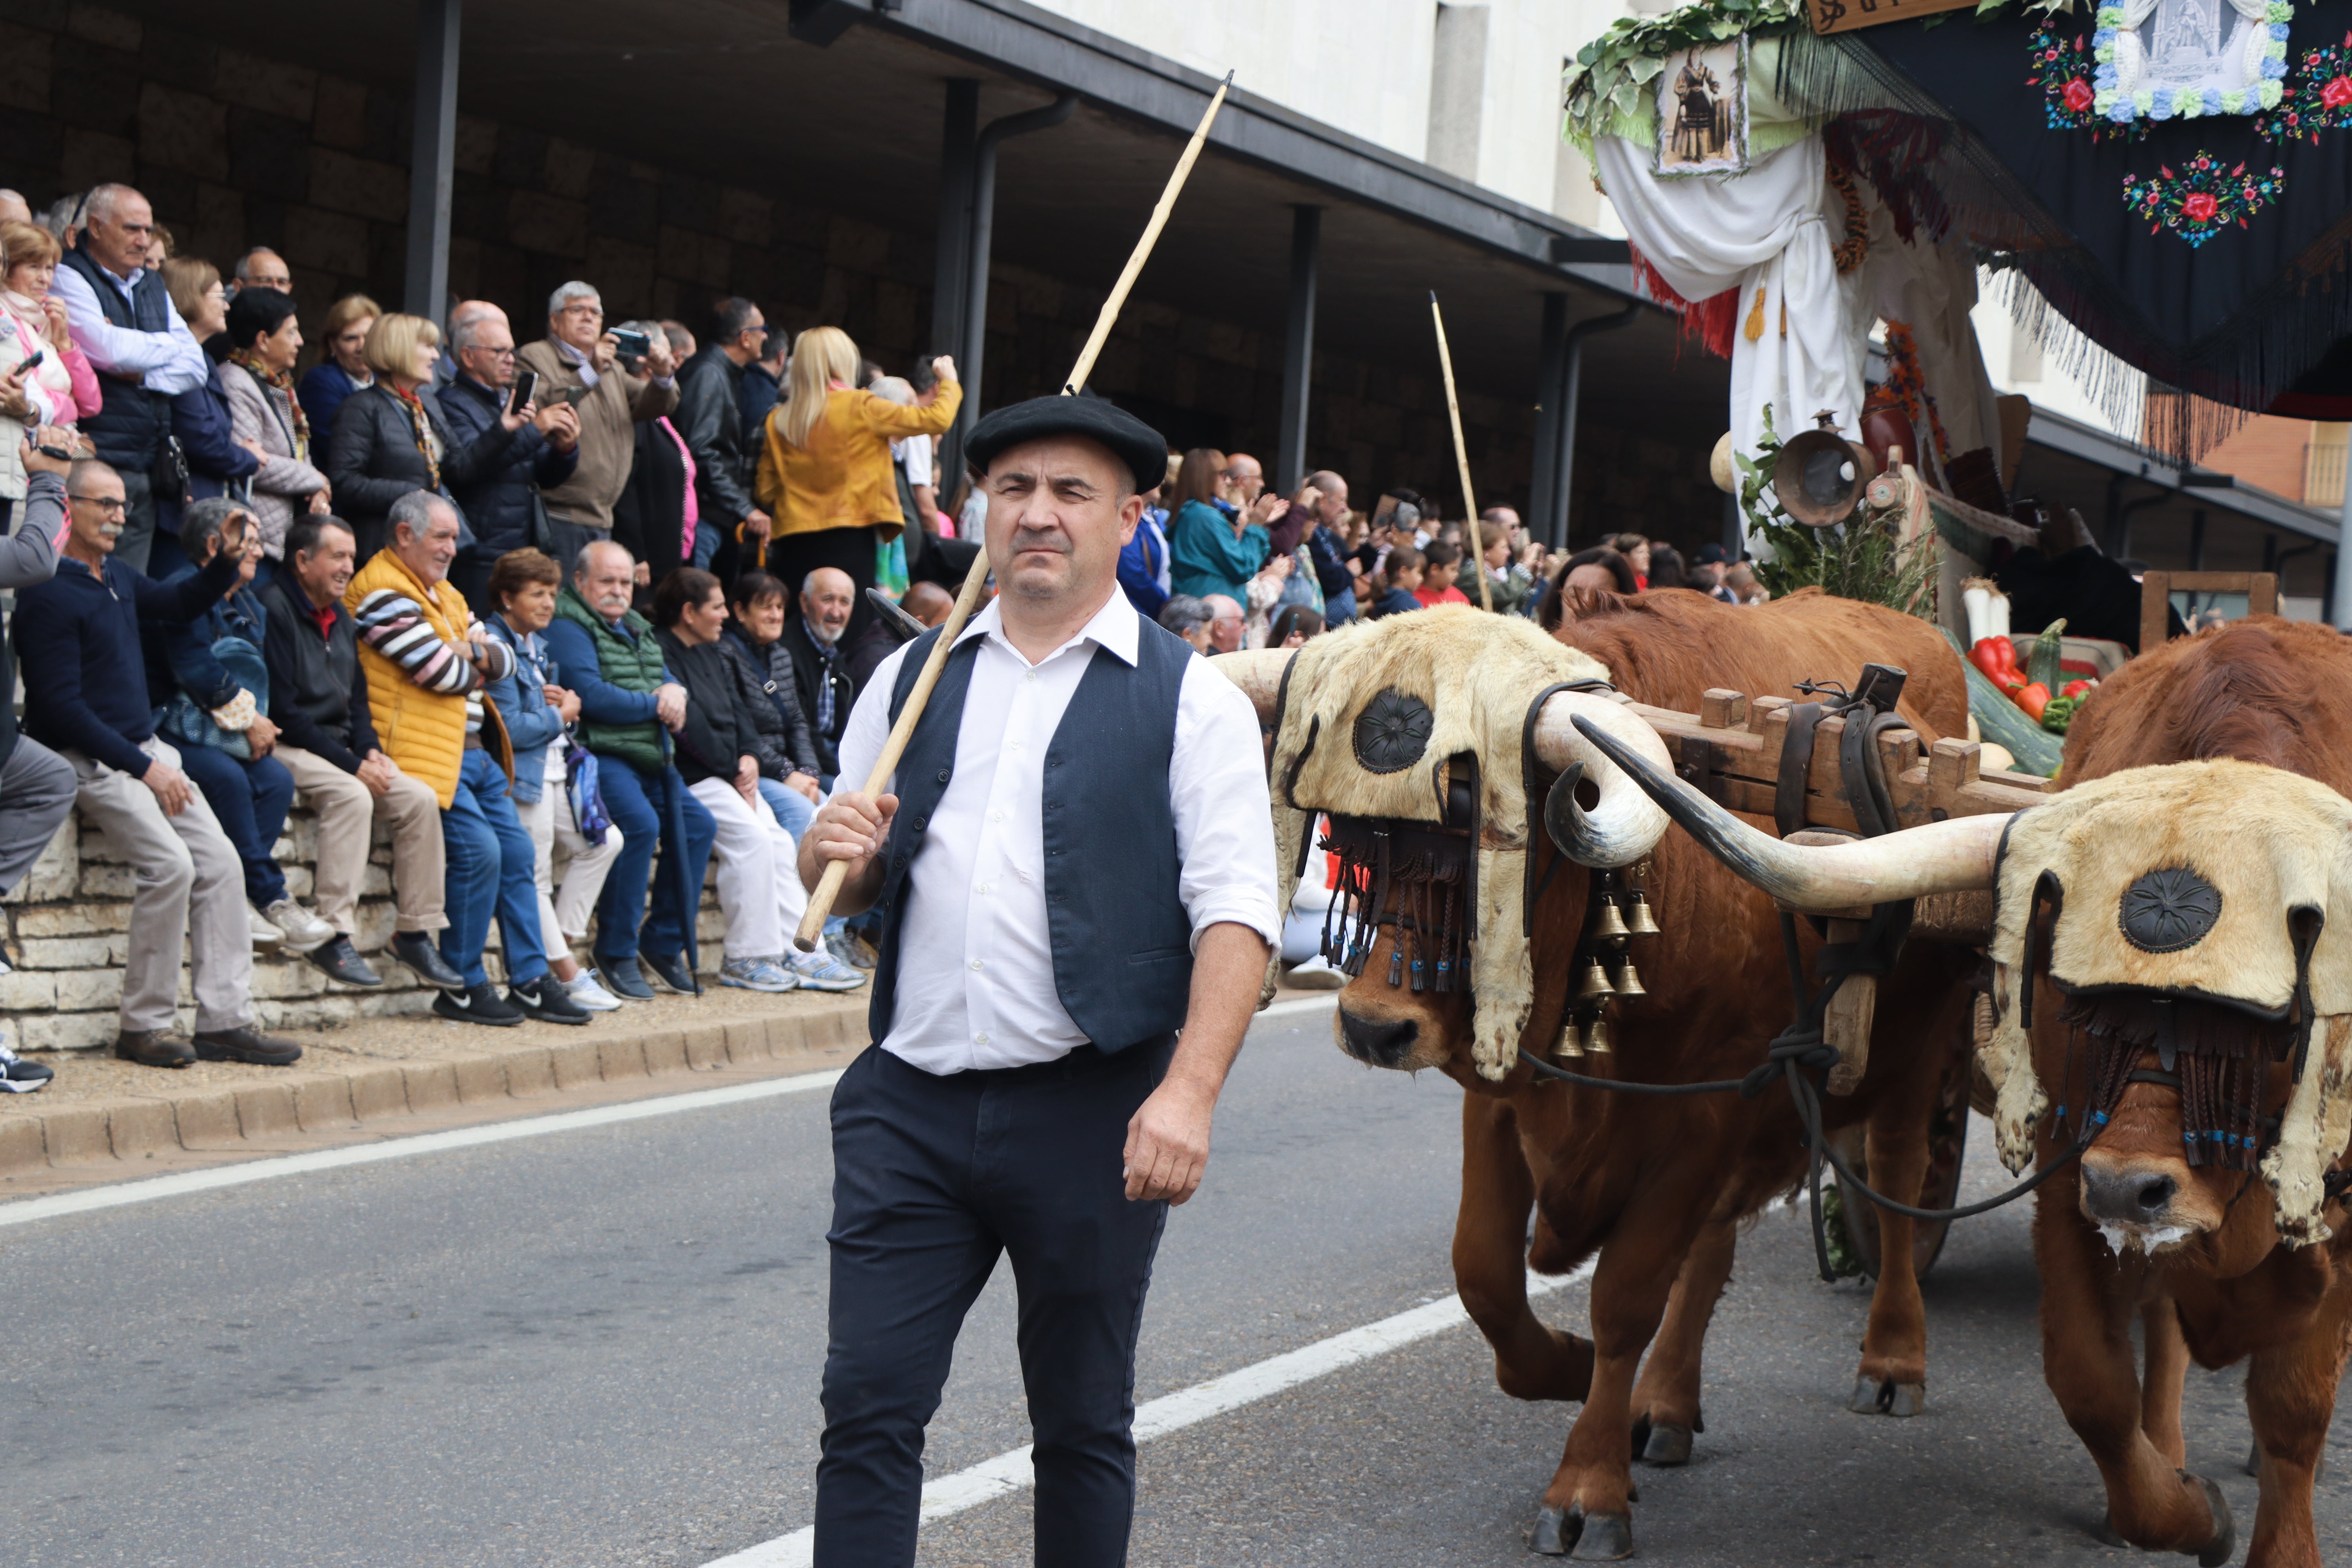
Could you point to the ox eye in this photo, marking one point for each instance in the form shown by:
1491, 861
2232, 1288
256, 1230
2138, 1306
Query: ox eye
1392, 731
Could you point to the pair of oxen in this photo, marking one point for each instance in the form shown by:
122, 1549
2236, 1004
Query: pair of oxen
2172, 1005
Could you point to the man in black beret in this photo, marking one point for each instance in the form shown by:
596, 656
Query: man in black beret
1074, 861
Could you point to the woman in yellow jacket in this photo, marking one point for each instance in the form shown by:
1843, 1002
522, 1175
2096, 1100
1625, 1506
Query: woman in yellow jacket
825, 467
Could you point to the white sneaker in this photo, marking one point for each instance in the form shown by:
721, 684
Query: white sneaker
820, 971
1316, 974
756, 974
18, 1076
583, 988
300, 930
264, 933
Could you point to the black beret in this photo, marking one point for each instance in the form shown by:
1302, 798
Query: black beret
1130, 440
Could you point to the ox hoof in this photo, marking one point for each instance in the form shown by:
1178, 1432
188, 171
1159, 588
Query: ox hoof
1667, 1445
1554, 1534
2224, 1544
1606, 1537
1873, 1397
2105, 1534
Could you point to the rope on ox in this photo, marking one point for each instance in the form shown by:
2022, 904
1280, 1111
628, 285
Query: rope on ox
1800, 1056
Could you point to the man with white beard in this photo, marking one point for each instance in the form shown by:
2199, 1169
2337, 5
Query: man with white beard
819, 671
630, 706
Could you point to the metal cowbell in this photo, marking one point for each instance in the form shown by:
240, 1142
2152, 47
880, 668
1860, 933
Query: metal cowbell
1641, 923
1595, 984
1596, 1039
1609, 925
1629, 984
1569, 1044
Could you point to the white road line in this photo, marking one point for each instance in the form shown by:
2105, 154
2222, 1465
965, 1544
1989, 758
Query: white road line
1010, 1472
115, 1196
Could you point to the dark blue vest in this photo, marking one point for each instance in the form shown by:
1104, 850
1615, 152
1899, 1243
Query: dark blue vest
1121, 941
129, 427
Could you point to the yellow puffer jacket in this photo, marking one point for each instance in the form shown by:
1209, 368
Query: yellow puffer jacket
424, 731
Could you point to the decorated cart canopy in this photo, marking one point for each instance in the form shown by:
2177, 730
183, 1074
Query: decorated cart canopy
2172, 177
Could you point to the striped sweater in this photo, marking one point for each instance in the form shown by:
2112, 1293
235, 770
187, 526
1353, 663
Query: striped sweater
424, 694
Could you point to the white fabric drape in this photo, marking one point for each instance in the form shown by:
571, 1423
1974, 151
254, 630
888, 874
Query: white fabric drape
2131, 55
1763, 229
1931, 289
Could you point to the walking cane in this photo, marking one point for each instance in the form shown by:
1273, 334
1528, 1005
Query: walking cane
828, 887
1461, 453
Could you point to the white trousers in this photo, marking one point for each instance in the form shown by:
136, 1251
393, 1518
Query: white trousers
564, 908
760, 890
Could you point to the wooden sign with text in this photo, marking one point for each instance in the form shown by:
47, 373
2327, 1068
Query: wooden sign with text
1845, 16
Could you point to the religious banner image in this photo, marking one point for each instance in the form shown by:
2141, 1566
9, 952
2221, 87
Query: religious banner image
1703, 111
2163, 58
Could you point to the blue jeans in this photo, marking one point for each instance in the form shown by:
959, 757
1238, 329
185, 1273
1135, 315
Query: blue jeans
251, 801
637, 803
706, 544
491, 862
793, 811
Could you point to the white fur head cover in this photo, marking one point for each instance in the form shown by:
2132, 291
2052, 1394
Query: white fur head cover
2266, 843
1477, 673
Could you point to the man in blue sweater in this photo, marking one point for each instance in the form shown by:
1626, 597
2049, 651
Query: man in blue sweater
77, 641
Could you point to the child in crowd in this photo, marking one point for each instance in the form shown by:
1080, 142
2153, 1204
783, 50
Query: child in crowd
1402, 577
1442, 562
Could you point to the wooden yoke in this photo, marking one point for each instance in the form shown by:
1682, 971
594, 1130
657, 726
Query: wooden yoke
2156, 588
1730, 751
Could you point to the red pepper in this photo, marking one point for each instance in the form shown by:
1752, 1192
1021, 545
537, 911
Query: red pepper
1997, 657
2076, 689
2034, 697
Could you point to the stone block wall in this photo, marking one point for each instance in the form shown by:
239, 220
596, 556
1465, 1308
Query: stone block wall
68, 925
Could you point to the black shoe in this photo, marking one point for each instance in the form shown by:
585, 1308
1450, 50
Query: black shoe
476, 1004
671, 973
154, 1049
546, 1000
414, 948
247, 1044
620, 976
341, 961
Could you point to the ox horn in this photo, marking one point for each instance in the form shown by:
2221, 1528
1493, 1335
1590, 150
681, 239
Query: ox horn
1952, 857
1258, 672
1622, 826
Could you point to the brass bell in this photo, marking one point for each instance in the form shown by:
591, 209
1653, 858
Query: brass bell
1569, 1044
1595, 984
1596, 1039
1629, 984
1609, 925
1642, 923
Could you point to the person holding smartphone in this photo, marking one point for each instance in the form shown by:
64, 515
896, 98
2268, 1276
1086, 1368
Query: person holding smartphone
610, 393
501, 499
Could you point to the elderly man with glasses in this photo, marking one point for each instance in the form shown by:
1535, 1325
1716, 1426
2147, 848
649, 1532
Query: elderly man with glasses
75, 638
502, 500
581, 363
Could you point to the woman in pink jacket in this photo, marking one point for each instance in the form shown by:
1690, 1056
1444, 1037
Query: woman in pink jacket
62, 388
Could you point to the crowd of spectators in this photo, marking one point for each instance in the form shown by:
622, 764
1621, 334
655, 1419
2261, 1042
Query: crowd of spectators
570, 617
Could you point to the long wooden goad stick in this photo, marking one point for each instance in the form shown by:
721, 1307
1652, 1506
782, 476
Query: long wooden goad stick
1461, 456
828, 887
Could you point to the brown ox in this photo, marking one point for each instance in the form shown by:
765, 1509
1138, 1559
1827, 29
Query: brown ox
1656, 1185
2200, 1257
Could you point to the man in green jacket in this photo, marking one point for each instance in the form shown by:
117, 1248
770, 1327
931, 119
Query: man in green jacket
630, 705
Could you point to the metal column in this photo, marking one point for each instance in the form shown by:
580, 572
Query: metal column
984, 224
432, 162
957, 150
2339, 587
1571, 382
1297, 346
1546, 516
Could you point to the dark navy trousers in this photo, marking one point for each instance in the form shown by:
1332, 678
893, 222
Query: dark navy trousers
933, 1177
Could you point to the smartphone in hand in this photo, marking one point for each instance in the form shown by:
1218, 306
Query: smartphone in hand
526, 383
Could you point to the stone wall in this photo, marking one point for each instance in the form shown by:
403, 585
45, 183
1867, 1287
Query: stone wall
67, 925
235, 151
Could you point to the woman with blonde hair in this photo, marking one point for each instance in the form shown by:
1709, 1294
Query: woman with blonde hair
824, 467
390, 438
62, 388
343, 367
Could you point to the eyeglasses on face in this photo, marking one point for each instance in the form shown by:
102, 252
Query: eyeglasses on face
110, 505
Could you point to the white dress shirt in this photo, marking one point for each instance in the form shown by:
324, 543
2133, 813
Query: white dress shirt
168, 362
975, 980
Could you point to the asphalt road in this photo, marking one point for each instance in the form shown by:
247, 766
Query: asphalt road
601, 1347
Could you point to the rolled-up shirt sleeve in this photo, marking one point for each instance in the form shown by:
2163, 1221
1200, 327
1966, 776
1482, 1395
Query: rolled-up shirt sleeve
168, 362
1225, 825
